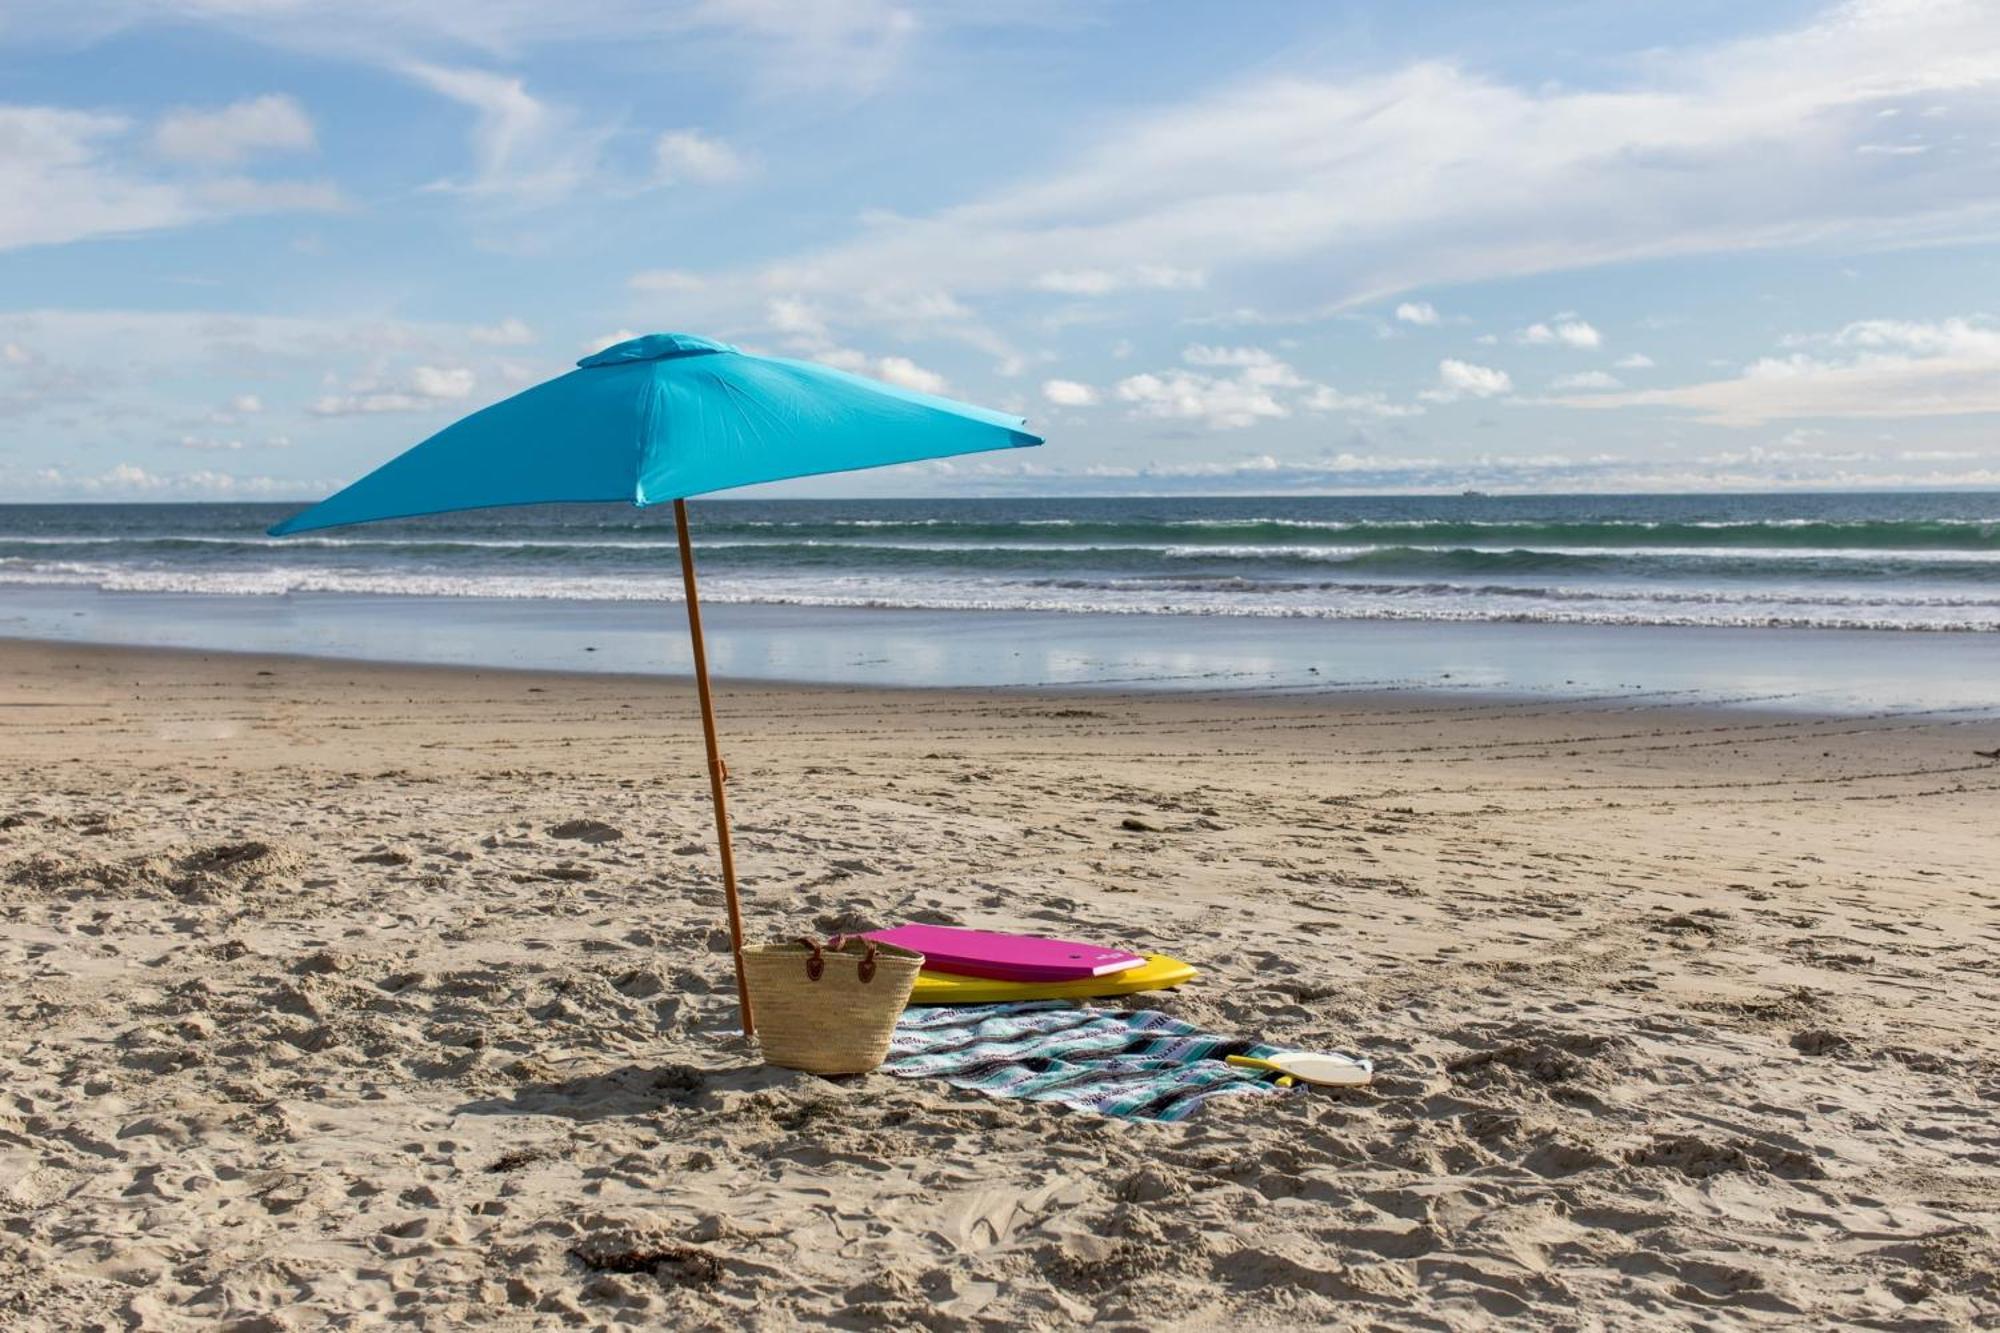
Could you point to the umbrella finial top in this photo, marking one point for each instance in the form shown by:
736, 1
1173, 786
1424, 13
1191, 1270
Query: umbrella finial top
655, 347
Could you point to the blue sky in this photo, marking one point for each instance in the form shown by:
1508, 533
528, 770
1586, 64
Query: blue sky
250, 248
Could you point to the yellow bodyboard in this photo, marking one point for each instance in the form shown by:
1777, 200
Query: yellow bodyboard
1157, 973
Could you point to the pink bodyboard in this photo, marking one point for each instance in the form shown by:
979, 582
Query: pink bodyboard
980, 953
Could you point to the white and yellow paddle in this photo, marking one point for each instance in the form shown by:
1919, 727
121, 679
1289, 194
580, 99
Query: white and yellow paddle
1326, 1071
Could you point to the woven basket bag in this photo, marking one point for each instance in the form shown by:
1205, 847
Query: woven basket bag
831, 1010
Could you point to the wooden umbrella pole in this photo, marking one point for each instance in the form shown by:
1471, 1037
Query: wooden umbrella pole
717, 774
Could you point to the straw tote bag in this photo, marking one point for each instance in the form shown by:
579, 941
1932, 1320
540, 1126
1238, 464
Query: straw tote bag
831, 1010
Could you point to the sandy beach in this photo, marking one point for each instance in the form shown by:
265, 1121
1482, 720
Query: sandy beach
333, 994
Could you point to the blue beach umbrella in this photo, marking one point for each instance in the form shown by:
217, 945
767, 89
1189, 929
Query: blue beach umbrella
662, 418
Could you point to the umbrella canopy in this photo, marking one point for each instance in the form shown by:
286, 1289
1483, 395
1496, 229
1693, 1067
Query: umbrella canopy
659, 418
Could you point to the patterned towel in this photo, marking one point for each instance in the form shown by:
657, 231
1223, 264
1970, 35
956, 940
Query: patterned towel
1138, 1065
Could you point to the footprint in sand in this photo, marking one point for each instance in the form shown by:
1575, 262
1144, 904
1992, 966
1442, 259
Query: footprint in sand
592, 831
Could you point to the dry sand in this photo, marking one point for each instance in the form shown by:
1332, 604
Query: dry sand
336, 994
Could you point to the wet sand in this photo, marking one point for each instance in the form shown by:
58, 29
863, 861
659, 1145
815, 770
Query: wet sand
336, 993
1798, 670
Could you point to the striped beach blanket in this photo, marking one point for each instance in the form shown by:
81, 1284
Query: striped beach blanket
1136, 1065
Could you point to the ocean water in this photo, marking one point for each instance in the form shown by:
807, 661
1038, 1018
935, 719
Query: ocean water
1888, 562
1844, 602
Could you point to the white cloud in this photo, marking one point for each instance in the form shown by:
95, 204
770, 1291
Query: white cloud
1575, 333
897, 370
603, 340
1463, 379
790, 315
1069, 393
525, 151
1326, 398
229, 444
1417, 312
224, 137
129, 481
169, 363
805, 329
1103, 282
1870, 369
910, 313
844, 358
905, 305
348, 405
64, 177
509, 332
837, 44
1352, 471
1262, 387
1199, 354
183, 341
1741, 145
1182, 395
1947, 336
443, 382
1077, 282
692, 156
900, 370
1634, 361
233, 413
426, 389
779, 46
1586, 379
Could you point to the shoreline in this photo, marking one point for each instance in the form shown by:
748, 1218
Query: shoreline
1823, 670
116, 661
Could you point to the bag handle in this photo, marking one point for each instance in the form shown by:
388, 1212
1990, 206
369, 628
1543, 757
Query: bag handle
815, 965
866, 971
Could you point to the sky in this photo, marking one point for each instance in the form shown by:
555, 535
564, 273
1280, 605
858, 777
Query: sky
251, 248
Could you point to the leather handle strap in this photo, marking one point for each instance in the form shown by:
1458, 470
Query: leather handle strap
815, 965
865, 972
